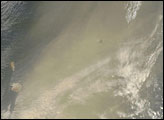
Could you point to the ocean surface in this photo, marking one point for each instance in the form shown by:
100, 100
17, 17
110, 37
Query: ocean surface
83, 59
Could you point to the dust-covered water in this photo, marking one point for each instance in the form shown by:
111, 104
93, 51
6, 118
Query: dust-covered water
83, 59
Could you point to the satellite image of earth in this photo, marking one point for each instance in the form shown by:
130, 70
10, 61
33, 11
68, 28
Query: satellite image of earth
82, 59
